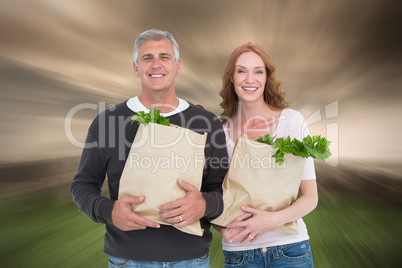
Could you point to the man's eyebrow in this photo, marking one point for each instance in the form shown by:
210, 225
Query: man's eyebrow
147, 55
165, 54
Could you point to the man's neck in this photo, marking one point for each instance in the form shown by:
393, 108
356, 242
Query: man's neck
159, 100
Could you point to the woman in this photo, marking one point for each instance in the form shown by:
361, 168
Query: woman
254, 104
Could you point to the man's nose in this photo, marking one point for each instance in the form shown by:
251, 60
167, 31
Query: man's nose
156, 63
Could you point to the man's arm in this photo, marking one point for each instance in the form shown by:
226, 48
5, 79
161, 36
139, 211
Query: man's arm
217, 164
87, 184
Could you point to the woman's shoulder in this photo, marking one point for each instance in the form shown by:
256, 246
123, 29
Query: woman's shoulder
291, 124
290, 114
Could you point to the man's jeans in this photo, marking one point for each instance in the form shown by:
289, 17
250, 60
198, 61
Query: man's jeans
202, 262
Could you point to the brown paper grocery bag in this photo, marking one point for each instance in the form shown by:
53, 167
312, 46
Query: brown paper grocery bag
159, 156
255, 180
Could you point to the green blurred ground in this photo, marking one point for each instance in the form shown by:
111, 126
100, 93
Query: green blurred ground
45, 229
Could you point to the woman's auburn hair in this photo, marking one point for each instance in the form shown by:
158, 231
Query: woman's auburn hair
273, 94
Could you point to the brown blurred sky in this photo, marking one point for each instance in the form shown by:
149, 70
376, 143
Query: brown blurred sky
55, 55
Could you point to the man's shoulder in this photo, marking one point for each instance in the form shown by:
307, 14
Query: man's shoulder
116, 109
113, 110
198, 109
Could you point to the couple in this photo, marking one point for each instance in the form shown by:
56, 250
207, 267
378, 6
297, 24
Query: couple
252, 104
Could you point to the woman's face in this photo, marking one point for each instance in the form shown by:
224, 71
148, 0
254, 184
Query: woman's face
250, 77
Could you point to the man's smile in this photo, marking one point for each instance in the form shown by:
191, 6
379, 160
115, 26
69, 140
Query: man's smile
156, 75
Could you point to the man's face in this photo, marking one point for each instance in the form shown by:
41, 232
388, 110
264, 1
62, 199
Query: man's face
157, 67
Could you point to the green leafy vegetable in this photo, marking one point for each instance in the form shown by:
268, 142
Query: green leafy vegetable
316, 147
152, 117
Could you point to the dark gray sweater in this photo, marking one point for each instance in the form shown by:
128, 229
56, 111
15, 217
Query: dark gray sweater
106, 149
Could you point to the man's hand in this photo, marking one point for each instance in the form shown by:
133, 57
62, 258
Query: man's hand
126, 220
185, 211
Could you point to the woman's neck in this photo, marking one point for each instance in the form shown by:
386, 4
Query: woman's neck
248, 111
254, 119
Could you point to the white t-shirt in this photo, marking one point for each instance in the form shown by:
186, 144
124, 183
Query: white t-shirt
291, 123
136, 106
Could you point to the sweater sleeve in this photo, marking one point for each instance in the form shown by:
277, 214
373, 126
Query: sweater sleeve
216, 166
87, 184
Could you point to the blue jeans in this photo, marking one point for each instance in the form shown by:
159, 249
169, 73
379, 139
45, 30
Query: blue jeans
202, 262
290, 255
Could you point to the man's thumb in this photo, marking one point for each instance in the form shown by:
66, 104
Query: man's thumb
186, 186
134, 199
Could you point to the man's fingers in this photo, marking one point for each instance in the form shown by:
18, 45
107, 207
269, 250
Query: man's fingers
181, 224
127, 220
171, 214
186, 186
169, 206
145, 222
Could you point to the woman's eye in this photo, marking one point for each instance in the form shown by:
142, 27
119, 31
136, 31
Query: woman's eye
260, 72
240, 71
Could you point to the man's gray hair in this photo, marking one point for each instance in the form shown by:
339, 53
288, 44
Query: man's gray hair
155, 35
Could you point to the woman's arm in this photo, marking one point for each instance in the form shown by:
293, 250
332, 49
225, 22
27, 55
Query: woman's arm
264, 221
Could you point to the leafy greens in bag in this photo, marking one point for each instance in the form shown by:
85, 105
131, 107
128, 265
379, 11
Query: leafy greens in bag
152, 117
315, 147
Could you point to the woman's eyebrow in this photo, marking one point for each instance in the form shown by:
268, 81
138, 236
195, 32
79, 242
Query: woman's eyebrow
257, 67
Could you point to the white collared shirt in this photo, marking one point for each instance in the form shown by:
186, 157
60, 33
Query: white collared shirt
136, 106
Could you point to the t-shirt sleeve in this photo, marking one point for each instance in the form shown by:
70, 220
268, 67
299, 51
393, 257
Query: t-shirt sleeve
298, 129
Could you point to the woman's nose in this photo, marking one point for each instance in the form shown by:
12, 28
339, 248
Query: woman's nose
250, 78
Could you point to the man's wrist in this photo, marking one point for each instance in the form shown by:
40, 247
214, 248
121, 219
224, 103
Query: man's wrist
213, 205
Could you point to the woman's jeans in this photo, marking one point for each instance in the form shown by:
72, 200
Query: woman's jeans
202, 262
290, 255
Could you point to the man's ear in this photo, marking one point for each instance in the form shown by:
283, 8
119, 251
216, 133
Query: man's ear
178, 66
136, 69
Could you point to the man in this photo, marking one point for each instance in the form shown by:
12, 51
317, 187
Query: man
131, 239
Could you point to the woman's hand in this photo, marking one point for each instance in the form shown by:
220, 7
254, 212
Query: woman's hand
229, 233
253, 227
264, 221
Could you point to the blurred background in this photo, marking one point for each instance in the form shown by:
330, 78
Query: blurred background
62, 62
